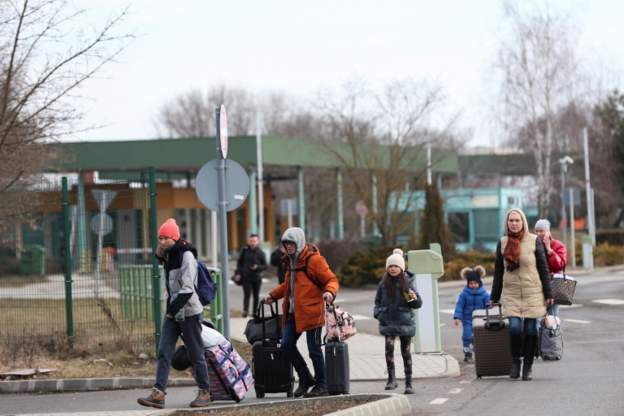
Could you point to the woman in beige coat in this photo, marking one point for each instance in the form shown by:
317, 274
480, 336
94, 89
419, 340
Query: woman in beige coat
521, 275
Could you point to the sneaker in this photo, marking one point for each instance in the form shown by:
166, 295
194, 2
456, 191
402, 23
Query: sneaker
155, 399
203, 399
317, 391
467, 357
408, 389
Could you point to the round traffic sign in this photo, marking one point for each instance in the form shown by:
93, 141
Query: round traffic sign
101, 223
236, 184
223, 132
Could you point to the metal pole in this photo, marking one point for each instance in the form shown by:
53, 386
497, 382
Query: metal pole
83, 247
339, 204
564, 224
429, 164
374, 203
69, 314
223, 233
289, 211
213, 237
301, 198
572, 242
260, 177
153, 223
591, 219
253, 227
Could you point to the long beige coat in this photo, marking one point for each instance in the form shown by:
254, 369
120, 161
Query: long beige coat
522, 291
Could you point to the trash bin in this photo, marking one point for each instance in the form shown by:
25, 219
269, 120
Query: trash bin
33, 260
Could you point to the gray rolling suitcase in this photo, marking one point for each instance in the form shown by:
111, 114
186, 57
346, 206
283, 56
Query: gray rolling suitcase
492, 349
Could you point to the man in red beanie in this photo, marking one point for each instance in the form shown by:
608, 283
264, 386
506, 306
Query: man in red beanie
182, 317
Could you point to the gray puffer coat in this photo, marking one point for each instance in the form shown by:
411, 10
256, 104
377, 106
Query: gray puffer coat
394, 313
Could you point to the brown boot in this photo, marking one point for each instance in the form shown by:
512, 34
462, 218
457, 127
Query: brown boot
203, 399
155, 399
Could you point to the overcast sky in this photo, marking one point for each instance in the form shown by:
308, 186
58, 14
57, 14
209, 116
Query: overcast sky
300, 46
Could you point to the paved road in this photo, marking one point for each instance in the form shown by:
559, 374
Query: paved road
588, 381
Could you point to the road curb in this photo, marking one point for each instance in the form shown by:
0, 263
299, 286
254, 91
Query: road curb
85, 384
394, 404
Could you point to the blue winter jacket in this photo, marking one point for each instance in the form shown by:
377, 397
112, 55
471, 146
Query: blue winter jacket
468, 301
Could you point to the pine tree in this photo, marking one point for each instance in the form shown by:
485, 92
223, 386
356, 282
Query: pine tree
433, 227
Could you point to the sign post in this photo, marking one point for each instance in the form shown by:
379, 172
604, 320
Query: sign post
232, 183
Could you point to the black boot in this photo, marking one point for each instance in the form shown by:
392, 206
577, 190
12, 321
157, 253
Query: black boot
408, 384
305, 382
515, 368
392, 383
530, 344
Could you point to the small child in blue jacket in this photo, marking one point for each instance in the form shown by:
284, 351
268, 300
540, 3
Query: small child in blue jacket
472, 297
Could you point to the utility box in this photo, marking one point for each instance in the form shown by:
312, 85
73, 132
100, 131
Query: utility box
428, 267
33, 260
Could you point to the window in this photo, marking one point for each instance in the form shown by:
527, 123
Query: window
459, 225
486, 225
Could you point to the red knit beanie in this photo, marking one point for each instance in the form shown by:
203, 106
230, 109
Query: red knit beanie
169, 229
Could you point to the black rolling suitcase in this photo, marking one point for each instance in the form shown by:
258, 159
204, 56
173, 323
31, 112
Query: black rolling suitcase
492, 348
272, 371
336, 358
337, 367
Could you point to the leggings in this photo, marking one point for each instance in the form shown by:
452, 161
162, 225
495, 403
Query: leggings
406, 343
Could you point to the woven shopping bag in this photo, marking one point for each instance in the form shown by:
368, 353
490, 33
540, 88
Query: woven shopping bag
563, 288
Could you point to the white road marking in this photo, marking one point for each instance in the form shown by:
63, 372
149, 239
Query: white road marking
442, 324
448, 311
610, 301
577, 321
361, 317
455, 391
576, 305
465, 382
439, 400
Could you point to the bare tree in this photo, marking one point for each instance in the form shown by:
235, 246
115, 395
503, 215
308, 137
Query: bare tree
382, 136
540, 75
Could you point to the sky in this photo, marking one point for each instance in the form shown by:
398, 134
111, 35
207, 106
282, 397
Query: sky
299, 47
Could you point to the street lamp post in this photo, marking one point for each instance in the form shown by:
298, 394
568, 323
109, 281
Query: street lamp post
564, 162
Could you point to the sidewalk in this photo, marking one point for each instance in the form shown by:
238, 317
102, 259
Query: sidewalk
367, 360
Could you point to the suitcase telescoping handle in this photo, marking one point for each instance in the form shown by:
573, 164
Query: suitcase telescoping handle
492, 323
274, 314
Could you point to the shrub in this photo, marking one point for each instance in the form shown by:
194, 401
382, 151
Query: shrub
468, 259
365, 267
338, 252
606, 254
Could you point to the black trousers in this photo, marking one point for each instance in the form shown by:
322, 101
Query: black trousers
251, 286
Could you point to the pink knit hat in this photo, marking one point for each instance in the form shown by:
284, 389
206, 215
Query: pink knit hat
169, 229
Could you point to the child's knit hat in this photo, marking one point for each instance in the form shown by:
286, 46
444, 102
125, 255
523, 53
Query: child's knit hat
169, 229
396, 259
474, 275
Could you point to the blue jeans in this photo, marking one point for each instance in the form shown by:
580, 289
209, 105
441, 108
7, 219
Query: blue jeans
519, 326
190, 329
313, 337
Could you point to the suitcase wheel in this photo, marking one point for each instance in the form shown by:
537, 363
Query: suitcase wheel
259, 394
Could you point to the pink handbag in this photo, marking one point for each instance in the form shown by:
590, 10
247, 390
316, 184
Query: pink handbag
340, 324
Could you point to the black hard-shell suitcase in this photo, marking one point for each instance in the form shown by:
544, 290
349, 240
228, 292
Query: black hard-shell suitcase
337, 367
272, 371
492, 348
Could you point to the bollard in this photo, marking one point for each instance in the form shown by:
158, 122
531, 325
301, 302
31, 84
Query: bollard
427, 267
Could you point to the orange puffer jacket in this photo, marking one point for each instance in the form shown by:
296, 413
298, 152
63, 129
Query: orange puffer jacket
309, 287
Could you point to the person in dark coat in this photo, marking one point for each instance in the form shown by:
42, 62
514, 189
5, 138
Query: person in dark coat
277, 261
250, 265
473, 296
395, 302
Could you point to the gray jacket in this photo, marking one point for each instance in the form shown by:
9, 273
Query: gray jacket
181, 278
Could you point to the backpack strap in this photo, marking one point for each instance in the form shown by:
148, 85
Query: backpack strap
304, 269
